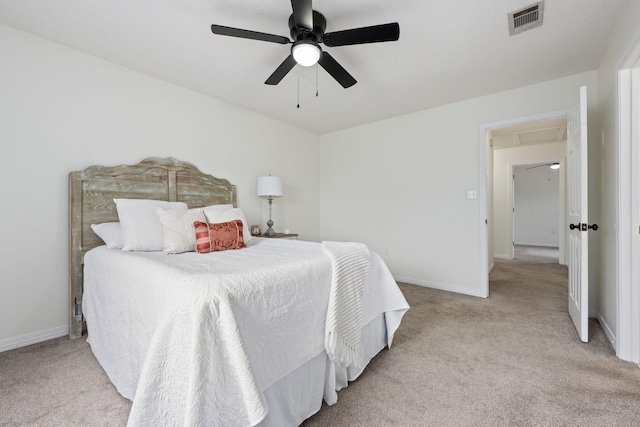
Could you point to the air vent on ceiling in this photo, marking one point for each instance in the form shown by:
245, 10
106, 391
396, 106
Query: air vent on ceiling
526, 18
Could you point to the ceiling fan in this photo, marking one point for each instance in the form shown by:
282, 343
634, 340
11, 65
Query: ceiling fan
307, 27
554, 165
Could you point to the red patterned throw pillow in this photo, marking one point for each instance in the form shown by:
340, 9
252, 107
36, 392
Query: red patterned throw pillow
218, 237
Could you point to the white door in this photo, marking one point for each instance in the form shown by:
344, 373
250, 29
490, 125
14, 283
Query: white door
578, 217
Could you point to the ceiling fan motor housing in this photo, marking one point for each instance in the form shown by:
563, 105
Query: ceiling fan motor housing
315, 34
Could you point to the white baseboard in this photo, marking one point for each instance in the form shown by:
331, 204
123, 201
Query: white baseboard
501, 256
439, 286
493, 264
34, 338
607, 331
538, 244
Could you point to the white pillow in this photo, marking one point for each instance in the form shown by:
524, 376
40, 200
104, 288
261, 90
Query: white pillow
178, 231
110, 233
140, 224
216, 216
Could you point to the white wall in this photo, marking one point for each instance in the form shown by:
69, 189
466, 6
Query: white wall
504, 159
400, 185
536, 203
61, 110
626, 35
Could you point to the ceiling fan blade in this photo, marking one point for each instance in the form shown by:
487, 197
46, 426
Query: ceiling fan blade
281, 71
337, 72
538, 166
246, 34
374, 34
302, 13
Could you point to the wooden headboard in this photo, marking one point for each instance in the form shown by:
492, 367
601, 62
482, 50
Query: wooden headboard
91, 194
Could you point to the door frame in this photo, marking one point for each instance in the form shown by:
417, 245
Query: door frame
483, 195
628, 208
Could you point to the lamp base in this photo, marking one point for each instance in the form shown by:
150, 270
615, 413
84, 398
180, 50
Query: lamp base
270, 231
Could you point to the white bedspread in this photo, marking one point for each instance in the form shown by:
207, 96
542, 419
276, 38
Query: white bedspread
195, 339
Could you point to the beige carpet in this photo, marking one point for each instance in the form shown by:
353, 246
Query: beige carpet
513, 359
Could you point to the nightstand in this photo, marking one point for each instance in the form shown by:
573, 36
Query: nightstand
282, 236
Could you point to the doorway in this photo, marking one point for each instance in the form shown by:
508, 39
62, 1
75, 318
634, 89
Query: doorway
526, 151
538, 210
491, 217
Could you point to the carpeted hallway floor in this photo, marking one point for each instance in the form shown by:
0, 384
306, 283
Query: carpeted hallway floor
513, 359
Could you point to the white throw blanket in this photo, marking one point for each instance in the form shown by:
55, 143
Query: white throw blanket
350, 263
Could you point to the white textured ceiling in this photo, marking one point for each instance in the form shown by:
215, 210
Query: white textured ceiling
449, 50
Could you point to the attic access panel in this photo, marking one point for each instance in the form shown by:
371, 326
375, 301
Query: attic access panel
540, 136
526, 18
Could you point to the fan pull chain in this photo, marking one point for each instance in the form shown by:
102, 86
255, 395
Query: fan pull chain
316, 79
298, 90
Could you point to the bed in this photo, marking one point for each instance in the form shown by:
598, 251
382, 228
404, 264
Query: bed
236, 337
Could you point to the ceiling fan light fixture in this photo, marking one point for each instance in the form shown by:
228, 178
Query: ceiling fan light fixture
306, 52
554, 165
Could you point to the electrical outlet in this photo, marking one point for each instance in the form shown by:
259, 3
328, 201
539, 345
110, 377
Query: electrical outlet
77, 310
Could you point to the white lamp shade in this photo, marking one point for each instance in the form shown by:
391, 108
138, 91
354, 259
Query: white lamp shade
270, 186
